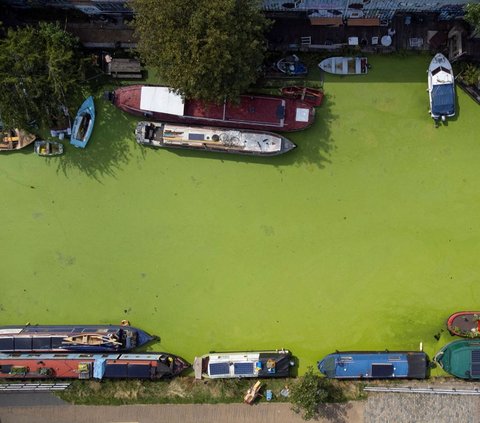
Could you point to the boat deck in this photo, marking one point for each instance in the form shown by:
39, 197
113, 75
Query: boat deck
269, 110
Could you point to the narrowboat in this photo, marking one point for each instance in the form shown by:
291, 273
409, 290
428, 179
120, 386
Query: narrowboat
64, 338
465, 324
205, 138
375, 365
14, 139
460, 358
441, 88
258, 364
83, 125
91, 366
345, 65
262, 112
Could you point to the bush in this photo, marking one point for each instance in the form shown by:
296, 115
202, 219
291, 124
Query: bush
307, 394
471, 75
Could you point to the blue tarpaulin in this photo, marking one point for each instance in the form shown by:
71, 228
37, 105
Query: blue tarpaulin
443, 100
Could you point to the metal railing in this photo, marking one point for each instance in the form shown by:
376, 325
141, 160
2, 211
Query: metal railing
428, 390
33, 387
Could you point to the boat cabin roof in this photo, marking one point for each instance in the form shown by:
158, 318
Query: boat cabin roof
161, 100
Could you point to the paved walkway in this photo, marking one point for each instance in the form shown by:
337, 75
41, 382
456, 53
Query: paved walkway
224, 413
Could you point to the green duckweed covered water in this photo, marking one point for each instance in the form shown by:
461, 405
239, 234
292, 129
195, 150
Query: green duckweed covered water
365, 237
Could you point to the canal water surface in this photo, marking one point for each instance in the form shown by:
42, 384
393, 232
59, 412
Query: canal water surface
364, 237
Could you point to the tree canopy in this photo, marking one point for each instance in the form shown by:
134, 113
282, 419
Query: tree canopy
472, 15
205, 49
40, 70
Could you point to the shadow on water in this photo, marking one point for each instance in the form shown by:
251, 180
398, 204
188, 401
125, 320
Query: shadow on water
108, 148
314, 144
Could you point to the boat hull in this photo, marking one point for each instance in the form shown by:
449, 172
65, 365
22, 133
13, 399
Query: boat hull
292, 66
441, 88
465, 324
236, 365
375, 365
54, 338
48, 148
461, 359
15, 139
345, 65
211, 139
258, 112
311, 96
91, 366
83, 124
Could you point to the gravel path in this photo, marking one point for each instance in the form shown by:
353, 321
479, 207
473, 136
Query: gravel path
422, 408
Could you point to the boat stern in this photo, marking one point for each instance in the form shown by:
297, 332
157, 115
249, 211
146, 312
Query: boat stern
198, 367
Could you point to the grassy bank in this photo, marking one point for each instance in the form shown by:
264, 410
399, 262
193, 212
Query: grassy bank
187, 390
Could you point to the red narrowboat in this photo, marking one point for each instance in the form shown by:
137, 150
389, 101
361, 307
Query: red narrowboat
263, 112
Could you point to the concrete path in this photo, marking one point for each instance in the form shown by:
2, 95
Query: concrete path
224, 413
26, 399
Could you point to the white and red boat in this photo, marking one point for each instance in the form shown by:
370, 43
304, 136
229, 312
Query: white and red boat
263, 112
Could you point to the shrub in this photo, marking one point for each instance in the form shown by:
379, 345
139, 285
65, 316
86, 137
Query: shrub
307, 394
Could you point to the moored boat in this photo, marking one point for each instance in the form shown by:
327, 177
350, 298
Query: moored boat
64, 338
83, 125
48, 148
292, 66
460, 358
91, 366
259, 364
375, 365
203, 138
313, 96
465, 324
262, 112
441, 88
345, 65
14, 139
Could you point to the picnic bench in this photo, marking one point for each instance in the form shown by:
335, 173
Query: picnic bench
124, 68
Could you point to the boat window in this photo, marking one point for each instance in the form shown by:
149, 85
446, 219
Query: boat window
436, 70
196, 137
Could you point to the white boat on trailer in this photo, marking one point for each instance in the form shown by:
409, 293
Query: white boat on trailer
345, 65
252, 364
205, 138
441, 88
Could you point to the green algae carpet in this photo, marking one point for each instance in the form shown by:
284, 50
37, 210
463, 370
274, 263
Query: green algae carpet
365, 237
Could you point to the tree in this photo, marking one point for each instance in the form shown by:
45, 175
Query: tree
472, 15
40, 70
205, 49
307, 394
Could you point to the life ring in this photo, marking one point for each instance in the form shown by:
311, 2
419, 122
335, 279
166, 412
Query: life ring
125, 323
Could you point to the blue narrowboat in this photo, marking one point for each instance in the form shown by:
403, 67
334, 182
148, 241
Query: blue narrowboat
375, 365
83, 125
70, 338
